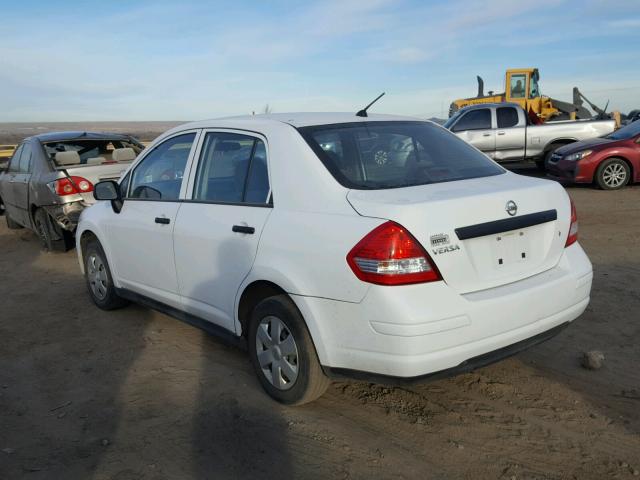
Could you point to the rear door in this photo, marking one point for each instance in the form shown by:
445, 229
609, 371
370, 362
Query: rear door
6, 190
510, 134
21, 185
219, 224
475, 127
141, 235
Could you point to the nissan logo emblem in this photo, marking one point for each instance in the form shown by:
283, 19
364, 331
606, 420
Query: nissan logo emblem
512, 208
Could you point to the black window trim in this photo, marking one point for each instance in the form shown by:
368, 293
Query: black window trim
140, 160
453, 127
504, 108
196, 163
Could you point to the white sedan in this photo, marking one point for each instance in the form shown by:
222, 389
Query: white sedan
334, 245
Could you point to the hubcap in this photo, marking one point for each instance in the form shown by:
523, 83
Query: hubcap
97, 274
614, 175
277, 353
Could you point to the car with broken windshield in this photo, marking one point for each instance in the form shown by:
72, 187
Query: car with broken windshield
333, 245
50, 177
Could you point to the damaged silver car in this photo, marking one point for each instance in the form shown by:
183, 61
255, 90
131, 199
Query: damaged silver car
50, 179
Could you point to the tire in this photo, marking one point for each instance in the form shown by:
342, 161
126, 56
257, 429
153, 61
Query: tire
11, 224
612, 174
52, 237
542, 164
98, 278
2, 207
300, 378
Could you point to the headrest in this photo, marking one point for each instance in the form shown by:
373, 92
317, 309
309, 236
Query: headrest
95, 160
123, 154
68, 158
228, 146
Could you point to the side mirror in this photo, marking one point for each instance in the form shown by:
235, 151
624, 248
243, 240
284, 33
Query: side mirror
107, 190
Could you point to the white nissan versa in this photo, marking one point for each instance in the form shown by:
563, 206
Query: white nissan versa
377, 247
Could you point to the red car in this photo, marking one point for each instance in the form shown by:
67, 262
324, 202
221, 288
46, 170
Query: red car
610, 162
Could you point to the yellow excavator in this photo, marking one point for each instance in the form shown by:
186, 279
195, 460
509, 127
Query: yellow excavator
521, 86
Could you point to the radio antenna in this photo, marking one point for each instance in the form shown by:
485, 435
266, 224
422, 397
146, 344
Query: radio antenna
363, 112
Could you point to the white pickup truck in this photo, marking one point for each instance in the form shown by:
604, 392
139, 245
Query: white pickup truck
504, 132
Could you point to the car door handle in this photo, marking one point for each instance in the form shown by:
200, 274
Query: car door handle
163, 220
501, 133
486, 134
243, 229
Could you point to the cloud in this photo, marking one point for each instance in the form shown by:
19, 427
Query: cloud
624, 23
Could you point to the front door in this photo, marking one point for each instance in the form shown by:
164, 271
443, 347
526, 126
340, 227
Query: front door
141, 235
475, 128
219, 225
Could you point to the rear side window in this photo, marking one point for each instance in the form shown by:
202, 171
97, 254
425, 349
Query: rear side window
507, 117
159, 175
379, 155
474, 120
232, 169
14, 165
25, 159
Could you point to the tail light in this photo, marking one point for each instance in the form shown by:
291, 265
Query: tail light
72, 185
573, 228
390, 255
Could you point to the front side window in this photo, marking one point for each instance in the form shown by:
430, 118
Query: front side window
534, 90
159, 175
518, 85
507, 117
380, 155
474, 120
232, 169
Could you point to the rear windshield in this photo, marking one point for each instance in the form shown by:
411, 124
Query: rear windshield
378, 155
90, 152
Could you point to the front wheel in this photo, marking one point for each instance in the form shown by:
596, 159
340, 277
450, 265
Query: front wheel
613, 174
283, 354
98, 278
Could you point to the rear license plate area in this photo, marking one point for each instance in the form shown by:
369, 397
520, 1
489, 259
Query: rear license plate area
510, 248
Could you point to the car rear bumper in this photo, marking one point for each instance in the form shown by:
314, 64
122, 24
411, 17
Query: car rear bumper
67, 214
416, 330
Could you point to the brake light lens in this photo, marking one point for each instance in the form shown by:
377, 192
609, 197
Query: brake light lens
390, 255
573, 228
72, 185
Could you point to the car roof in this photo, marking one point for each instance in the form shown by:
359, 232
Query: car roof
489, 105
78, 135
296, 119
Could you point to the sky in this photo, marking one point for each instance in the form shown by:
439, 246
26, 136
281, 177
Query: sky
181, 60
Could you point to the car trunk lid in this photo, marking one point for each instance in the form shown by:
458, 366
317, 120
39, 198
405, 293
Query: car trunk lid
95, 174
466, 229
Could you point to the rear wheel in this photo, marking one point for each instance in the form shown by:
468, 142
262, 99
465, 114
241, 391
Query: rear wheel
98, 278
52, 237
283, 354
613, 174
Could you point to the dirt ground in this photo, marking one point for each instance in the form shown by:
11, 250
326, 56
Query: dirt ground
134, 394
